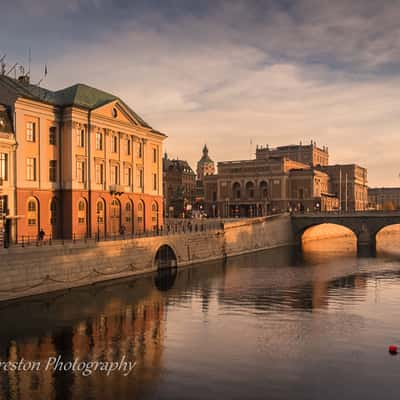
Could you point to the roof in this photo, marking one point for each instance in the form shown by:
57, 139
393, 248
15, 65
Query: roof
79, 95
5, 120
179, 165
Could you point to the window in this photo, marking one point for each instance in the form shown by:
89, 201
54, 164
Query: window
128, 176
140, 150
128, 146
114, 144
4, 166
99, 140
99, 174
154, 181
53, 212
31, 169
140, 177
154, 215
128, 212
81, 211
30, 131
53, 170
32, 212
100, 211
115, 174
154, 155
80, 137
80, 171
53, 135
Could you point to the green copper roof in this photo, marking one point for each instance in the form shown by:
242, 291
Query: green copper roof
78, 95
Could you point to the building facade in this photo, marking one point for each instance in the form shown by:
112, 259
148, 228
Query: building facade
287, 178
85, 163
179, 182
385, 198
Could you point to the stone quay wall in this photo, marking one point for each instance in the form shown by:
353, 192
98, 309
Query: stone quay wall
32, 270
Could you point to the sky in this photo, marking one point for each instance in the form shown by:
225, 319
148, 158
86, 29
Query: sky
232, 74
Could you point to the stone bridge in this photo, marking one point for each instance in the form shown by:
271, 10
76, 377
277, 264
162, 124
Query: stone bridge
365, 225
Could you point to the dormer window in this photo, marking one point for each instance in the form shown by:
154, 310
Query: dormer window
114, 112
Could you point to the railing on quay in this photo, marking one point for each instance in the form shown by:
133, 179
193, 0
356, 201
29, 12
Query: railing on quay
182, 227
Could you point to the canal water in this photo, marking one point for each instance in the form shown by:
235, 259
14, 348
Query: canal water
271, 325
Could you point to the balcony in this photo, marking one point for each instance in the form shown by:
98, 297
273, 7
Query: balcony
116, 189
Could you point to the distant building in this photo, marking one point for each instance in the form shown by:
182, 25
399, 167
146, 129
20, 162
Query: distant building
85, 164
385, 198
308, 154
179, 182
295, 177
205, 166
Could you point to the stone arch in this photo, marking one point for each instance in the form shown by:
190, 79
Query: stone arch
165, 257
391, 245
263, 189
129, 216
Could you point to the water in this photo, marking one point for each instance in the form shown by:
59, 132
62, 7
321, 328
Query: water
267, 325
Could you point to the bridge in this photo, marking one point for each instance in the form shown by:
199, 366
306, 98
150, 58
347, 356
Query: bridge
364, 224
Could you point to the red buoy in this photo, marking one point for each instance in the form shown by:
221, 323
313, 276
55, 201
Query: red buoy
392, 349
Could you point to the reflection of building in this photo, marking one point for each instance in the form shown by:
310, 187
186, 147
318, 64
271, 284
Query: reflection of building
293, 177
179, 182
7, 155
384, 198
85, 162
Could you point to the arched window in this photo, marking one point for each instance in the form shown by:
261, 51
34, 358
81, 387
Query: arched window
250, 190
154, 215
264, 189
115, 216
100, 211
236, 190
140, 215
32, 212
81, 211
53, 211
128, 212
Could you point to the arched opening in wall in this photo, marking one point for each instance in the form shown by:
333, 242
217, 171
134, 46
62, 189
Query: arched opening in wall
140, 216
165, 258
129, 217
54, 218
115, 217
326, 240
82, 218
388, 240
33, 219
236, 190
250, 190
101, 218
154, 216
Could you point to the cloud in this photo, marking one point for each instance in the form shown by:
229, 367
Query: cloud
226, 73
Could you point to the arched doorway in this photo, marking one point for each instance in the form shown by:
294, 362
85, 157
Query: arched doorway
101, 218
129, 217
154, 216
82, 218
140, 216
115, 217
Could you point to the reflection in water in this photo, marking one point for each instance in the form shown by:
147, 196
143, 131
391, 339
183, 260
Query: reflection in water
256, 326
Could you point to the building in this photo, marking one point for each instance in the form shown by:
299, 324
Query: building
309, 154
205, 166
179, 182
295, 177
85, 163
349, 182
385, 198
7, 172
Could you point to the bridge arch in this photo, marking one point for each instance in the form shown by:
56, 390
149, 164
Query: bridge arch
387, 238
334, 229
165, 257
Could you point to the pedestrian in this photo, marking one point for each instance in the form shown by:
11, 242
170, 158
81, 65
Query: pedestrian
41, 234
122, 230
